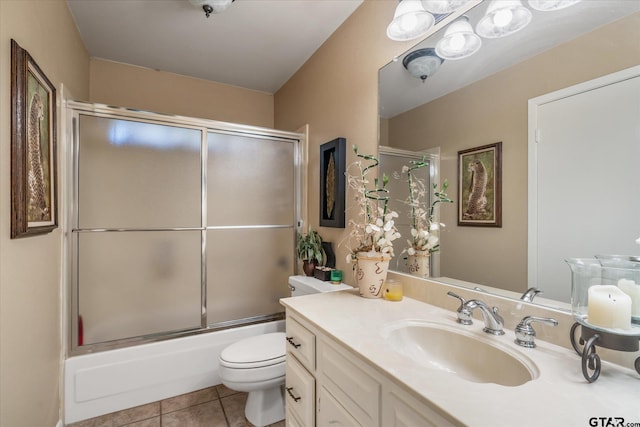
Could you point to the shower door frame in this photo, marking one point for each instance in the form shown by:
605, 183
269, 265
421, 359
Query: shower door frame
70, 162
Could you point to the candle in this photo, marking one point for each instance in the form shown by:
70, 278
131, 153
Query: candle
393, 290
632, 289
609, 307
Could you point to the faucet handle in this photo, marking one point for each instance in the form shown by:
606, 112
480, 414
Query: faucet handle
525, 334
530, 294
464, 314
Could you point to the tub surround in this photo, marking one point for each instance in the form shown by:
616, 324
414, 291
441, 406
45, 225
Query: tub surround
558, 396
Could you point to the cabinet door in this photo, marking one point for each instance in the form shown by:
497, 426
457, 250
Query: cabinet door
331, 413
300, 391
399, 409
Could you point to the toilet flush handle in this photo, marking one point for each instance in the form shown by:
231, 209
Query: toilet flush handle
292, 342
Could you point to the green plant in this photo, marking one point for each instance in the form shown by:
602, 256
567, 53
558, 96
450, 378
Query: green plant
309, 246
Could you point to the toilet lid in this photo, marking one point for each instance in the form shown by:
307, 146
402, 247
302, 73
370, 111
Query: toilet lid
253, 352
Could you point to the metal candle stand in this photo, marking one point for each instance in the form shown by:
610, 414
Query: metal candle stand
611, 340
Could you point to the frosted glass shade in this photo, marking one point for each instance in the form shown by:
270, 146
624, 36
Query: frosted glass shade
422, 63
551, 5
459, 41
440, 7
503, 17
410, 21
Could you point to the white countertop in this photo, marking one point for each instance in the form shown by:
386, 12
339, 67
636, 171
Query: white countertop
559, 396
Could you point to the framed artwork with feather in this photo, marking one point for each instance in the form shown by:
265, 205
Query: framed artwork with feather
332, 183
480, 186
33, 147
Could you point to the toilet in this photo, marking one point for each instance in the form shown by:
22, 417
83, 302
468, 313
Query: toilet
256, 365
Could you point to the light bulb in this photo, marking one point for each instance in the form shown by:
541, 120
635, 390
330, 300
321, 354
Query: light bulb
502, 17
456, 43
408, 22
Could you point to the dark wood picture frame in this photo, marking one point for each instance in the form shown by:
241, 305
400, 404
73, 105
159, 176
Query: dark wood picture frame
34, 190
332, 183
480, 186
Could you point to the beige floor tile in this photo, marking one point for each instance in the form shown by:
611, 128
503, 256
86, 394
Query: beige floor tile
139, 413
188, 399
278, 424
234, 410
207, 414
223, 391
151, 422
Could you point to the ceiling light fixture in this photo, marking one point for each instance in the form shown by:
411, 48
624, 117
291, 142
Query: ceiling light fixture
410, 21
212, 6
422, 63
503, 17
550, 5
441, 7
459, 41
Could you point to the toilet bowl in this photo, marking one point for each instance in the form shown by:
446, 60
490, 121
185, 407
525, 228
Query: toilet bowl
256, 365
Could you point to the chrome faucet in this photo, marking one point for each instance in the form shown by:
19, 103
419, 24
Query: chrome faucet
525, 334
493, 322
530, 294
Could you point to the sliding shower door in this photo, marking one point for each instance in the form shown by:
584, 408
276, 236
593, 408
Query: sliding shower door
176, 227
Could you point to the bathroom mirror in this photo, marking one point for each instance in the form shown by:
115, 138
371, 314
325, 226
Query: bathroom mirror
483, 99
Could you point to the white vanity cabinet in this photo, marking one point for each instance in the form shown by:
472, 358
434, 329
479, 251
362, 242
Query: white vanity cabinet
348, 391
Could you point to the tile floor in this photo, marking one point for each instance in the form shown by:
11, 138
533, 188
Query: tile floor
215, 406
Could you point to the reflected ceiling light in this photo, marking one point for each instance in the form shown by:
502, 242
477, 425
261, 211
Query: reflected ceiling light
459, 41
211, 6
441, 7
410, 21
503, 17
422, 63
548, 5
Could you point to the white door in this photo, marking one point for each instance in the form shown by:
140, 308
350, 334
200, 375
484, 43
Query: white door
584, 177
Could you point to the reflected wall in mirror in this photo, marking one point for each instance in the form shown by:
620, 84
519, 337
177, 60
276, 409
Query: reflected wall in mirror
484, 98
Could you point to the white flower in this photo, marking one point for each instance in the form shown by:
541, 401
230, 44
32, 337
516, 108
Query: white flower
349, 259
411, 251
414, 232
388, 226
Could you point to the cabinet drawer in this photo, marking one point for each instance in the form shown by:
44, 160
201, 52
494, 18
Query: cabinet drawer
346, 379
302, 343
300, 392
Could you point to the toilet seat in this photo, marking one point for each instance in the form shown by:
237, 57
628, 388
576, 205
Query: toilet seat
255, 352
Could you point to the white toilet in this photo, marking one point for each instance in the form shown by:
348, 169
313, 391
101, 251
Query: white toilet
256, 365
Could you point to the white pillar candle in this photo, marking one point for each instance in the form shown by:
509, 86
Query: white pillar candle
632, 289
609, 307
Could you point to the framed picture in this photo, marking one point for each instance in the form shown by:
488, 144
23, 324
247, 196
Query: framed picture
33, 147
332, 183
480, 186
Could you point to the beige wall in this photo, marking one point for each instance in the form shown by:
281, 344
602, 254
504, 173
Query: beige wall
495, 109
30, 343
123, 85
336, 93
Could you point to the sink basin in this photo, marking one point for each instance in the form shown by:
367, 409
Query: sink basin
462, 353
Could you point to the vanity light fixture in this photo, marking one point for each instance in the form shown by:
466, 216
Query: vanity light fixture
422, 63
503, 17
410, 21
550, 5
441, 7
459, 41
212, 6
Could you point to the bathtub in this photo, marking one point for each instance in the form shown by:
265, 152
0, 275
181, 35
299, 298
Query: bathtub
109, 381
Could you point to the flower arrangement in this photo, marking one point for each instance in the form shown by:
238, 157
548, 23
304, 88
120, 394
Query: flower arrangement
375, 231
423, 228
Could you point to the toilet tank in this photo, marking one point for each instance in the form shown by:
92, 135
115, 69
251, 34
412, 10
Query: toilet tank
306, 285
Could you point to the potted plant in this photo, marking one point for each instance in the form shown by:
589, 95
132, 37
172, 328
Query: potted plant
371, 236
309, 249
424, 228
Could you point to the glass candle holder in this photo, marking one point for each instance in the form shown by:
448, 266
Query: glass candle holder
336, 276
392, 290
605, 293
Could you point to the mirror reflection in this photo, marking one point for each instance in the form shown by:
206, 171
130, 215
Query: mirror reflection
458, 104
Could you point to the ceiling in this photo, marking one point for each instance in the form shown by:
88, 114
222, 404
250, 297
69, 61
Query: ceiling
254, 44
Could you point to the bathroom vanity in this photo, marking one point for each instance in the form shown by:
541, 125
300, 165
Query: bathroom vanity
359, 362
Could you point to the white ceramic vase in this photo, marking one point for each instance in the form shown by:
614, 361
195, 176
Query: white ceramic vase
418, 264
370, 273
